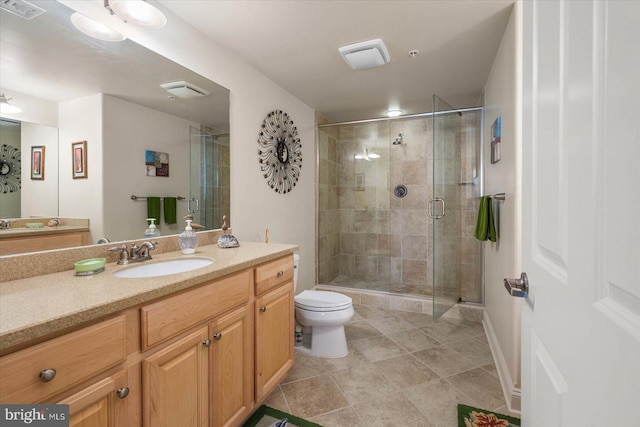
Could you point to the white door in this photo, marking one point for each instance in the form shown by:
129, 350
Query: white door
581, 213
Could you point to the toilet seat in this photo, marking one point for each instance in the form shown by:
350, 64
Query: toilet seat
322, 301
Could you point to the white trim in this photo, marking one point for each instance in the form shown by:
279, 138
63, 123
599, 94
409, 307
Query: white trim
512, 394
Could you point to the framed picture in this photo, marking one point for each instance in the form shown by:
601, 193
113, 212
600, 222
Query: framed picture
37, 162
496, 148
79, 159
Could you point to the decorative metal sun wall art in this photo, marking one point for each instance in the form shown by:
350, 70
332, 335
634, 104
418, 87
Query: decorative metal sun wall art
280, 153
9, 169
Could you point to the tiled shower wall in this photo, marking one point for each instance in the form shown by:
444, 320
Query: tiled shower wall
366, 233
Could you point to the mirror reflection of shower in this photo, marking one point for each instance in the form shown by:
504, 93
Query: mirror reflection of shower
399, 139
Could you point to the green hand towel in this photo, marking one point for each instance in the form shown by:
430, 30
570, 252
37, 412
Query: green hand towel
485, 226
153, 208
170, 208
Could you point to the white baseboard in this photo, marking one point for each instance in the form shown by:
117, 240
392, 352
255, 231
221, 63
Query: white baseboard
512, 394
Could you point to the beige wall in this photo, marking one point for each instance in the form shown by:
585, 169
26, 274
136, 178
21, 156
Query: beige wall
39, 197
503, 258
128, 130
81, 120
255, 207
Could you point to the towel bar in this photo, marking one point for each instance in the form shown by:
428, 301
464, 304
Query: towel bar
161, 198
497, 196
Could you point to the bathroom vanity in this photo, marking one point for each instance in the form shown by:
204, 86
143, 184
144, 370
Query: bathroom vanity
21, 238
201, 348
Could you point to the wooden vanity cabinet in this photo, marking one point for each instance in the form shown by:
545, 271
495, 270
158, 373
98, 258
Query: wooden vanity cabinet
111, 402
175, 383
274, 323
203, 357
45, 370
231, 356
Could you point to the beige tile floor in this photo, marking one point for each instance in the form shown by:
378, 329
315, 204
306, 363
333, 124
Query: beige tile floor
402, 369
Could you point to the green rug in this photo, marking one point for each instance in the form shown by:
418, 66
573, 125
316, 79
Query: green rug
265, 416
468, 416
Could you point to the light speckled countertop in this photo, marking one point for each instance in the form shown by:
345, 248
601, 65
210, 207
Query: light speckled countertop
38, 306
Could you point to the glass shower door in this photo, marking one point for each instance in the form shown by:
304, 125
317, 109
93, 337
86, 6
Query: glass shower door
210, 171
444, 207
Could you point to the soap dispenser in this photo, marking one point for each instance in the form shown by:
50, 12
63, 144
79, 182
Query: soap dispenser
152, 231
188, 240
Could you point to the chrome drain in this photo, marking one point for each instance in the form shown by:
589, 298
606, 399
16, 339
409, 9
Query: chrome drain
400, 191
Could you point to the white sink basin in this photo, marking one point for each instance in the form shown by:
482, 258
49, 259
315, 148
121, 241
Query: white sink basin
163, 268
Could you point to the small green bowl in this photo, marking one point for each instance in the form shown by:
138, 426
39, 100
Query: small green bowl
33, 225
92, 264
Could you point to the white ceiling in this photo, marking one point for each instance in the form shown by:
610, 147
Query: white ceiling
295, 43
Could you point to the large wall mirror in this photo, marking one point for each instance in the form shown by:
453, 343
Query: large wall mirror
74, 88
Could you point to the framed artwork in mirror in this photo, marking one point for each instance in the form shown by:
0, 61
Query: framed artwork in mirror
79, 159
37, 162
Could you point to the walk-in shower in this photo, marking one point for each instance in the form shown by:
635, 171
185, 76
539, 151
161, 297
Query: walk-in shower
402, 222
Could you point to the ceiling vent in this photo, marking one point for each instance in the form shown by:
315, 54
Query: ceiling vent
184, 90
22, 8
363, 55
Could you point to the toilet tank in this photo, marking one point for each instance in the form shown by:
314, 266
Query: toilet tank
296, 262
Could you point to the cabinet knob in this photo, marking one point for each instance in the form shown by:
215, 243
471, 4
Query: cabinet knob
206, 343
217, 336
123, 392
263, 309
47, 375
280, 273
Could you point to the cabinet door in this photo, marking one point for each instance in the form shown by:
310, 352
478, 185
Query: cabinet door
274, 338
231, 355
111, 402
175, 383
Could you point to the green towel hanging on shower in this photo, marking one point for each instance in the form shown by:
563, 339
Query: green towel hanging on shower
485, 226
170, 210
153, 208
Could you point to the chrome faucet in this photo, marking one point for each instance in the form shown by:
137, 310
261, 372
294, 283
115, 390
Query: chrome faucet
143, 251
5, 224
135, 253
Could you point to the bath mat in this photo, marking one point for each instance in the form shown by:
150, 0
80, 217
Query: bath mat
266, 416
468, 416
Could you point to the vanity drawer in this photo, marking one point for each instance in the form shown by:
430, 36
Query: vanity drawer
75, 357
273, 274
171, 316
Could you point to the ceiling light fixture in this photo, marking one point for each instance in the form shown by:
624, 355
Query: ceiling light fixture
366, 155
394, 113
137, 12
7, 108
363, 55
94, 29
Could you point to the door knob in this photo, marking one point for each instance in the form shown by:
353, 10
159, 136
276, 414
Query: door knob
518, 287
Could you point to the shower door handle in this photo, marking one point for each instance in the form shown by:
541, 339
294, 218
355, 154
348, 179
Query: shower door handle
432, 214
196, 202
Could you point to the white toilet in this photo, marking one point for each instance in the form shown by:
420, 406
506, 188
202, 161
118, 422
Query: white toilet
322, 315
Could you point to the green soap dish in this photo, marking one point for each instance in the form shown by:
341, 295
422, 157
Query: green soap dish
90, 266
33, 225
